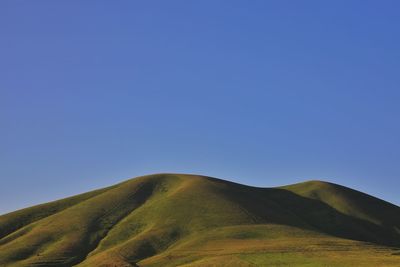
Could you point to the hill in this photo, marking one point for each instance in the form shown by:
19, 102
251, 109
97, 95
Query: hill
190, 220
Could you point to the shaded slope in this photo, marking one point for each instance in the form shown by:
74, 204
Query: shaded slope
382, 219
350, 202
153, 216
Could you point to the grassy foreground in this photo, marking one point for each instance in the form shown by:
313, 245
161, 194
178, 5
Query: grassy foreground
189, 220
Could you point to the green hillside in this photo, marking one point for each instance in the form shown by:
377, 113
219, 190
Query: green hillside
189, 220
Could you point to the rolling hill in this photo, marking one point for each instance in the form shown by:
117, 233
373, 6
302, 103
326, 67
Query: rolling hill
190, 220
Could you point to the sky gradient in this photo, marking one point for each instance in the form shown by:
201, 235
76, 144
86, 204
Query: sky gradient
264, 93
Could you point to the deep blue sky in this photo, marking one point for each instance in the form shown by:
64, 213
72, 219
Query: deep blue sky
264, 93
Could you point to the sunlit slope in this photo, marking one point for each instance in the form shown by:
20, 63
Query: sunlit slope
171, 219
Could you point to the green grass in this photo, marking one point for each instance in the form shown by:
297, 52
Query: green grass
189, 220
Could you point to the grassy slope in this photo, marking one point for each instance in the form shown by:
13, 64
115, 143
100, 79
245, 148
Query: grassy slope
170, 220
349, 202
17, 219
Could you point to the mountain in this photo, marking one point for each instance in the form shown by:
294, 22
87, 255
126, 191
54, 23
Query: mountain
191, 220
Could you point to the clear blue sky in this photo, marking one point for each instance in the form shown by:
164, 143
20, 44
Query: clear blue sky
264, 93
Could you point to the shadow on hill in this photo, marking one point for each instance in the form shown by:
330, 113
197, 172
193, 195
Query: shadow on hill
280, 206
102, 225
326, 219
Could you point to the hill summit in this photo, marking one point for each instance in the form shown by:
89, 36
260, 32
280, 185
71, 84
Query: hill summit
192, 220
